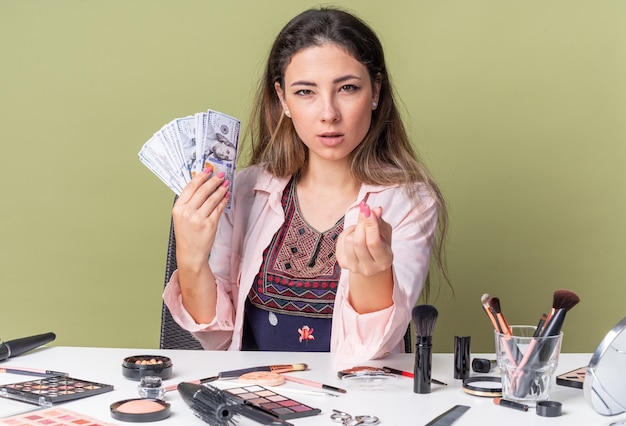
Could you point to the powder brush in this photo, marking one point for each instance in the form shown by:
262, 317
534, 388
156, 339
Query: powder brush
563, 300
424, 319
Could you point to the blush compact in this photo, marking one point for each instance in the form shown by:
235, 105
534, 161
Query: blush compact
138, 366
140, 410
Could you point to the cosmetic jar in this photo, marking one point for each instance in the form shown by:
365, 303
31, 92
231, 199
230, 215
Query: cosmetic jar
151, 387
140, 410
138, 366
549, 408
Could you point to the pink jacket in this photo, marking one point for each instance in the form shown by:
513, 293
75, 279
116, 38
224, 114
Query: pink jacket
247, 230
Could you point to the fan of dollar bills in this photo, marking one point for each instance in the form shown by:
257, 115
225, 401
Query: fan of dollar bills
188, 145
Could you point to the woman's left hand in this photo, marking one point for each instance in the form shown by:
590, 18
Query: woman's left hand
365, 248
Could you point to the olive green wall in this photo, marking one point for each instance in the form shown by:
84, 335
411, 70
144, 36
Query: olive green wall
518, 107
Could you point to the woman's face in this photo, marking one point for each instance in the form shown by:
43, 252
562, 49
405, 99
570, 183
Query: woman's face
330, 98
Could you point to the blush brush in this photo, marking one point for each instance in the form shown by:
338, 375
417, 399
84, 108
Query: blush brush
424, 319
562, 301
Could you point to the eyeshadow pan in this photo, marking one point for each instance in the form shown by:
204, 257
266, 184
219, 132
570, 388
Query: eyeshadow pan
276, 398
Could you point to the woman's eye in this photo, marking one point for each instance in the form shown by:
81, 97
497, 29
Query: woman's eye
349, 88
303, 92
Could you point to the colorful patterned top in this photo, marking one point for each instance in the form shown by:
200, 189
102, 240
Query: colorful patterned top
290, 305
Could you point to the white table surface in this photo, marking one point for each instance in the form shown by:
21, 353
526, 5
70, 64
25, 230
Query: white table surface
396, 404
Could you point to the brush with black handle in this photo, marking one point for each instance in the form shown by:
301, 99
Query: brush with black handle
424, 318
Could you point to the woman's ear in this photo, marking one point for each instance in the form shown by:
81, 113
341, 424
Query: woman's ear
376, 90
281, 95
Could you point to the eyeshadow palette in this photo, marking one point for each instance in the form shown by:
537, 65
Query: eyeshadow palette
50, 390
271, 402
52, 416
573, 379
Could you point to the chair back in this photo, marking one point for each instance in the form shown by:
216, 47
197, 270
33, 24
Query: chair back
172, 335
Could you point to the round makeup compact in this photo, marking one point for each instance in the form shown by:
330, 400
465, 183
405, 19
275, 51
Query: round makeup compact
140, 410
489, 386
359, 370
138, 366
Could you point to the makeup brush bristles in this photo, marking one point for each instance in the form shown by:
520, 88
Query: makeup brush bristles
564, 299
424, 318
300, 367
494, 303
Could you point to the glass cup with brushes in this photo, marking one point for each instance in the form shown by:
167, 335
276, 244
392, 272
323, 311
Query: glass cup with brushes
527, 370
528, 355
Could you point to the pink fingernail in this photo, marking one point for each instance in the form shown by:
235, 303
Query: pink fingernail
227, 194
208, 170
226, 183
221, 175
365, 209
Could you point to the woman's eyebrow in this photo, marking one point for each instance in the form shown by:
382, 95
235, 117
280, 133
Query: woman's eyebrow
335, 81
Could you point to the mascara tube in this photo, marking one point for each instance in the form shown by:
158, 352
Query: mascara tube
15, 347
423, 364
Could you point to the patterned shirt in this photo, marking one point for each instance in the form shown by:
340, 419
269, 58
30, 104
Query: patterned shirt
290, 305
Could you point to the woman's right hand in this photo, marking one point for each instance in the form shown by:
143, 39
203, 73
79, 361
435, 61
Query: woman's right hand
196, 214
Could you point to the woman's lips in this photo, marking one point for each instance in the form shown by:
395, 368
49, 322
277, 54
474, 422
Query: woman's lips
330, 139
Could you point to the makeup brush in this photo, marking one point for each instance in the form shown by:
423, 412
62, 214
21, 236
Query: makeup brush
491, 305
424, 318
562, 300
484, 300
540, 325
277, 368
494, 303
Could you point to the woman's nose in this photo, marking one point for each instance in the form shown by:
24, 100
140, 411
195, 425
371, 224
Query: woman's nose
330, 111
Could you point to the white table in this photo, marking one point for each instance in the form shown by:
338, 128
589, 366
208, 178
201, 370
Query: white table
395, 405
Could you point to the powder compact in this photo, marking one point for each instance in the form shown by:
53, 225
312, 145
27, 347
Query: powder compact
489, 386
51, 390
140, 410
138, 366
366, 377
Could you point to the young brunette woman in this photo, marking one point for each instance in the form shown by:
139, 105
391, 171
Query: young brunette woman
328, 243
